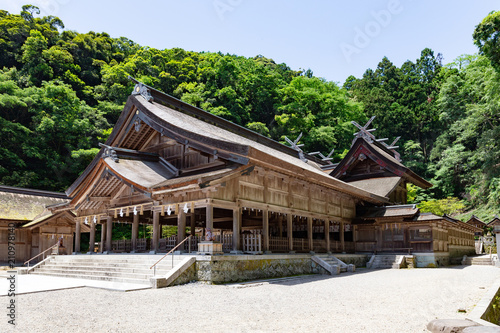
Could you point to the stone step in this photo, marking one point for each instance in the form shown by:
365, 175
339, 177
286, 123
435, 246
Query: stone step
139, 270
84, 273
96, 277
112, 264
130, 261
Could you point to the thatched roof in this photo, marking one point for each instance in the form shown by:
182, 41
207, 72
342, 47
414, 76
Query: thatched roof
26, 204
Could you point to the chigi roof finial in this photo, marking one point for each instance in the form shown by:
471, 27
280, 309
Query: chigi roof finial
296, 146
365, 133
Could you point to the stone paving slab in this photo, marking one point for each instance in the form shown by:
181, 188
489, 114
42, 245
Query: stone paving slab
39, 283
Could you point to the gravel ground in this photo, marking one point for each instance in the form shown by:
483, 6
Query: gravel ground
365, 301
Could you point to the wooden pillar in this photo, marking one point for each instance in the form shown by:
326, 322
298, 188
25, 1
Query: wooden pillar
209, 222
135, 232
354, 236
192, 222
181, 228
310, 233
29, 242
109, 234
78, 234
92, 237
265, 230
103, 236
236, 230
280, 225
156, 232
289, 231
342, 244
327, 235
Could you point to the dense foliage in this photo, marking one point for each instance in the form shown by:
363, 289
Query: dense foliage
62, 91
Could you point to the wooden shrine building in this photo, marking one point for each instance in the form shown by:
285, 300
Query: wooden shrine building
29, 226
168, 163
475, 221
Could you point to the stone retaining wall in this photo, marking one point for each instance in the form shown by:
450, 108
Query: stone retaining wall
458, 251
358, 260
423, 260
224, 269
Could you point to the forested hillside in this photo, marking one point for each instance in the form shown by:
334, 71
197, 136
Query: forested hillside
61, 92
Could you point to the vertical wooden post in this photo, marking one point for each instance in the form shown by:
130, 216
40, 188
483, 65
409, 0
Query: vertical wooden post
354, 236
109, 234
135, 232
342, 243
92, 237
236, 230
327, 235
289, 231
103, 237
280, 225
310, 233
192, 221
181, 228
265, 230
78, 234
156, 232
209, 223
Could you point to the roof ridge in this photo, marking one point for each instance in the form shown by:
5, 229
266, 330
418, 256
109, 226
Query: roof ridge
34, 192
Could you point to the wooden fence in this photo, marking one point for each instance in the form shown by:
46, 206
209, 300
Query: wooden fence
278, 244
167, 244
251, 243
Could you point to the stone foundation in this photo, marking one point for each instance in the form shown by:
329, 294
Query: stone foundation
358, 260
431, 260
457, 252
224, 269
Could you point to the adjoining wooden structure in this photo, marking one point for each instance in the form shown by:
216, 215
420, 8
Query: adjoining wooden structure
494, 222
404, 229
169, 163
475, 221
28, 226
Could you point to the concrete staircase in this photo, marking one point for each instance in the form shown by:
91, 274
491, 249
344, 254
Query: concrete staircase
478, 260
332, 264
386, 261
117, 268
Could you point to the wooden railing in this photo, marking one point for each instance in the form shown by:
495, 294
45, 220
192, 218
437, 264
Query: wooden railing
170, 252
168, 243
43, 253
301, 244
279, 244
252, 243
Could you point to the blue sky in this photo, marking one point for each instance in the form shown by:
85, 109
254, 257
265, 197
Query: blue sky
334, 39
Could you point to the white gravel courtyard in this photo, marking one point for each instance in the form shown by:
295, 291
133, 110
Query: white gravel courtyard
365, 301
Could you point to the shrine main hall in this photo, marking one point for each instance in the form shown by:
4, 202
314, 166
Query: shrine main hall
168, 163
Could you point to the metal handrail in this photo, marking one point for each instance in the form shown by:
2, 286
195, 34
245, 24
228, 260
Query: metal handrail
185, 239
50, 248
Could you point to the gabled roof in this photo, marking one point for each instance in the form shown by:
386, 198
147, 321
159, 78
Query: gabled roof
25, 204
399, 211
48, 216
382, 186
495, 221
150, 111
391, 167
474, 220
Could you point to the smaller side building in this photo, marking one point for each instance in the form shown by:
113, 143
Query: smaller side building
27, 222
